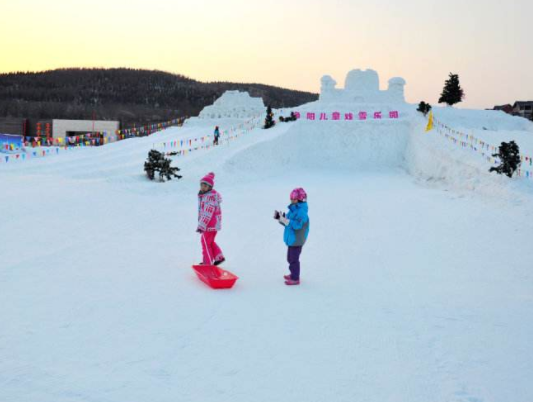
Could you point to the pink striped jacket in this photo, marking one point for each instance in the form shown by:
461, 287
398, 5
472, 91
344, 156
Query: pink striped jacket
209, 212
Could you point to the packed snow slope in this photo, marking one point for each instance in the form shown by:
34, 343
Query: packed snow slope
416, 279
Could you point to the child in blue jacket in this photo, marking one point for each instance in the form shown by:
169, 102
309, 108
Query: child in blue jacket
296, 223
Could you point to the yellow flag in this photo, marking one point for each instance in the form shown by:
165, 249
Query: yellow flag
430, 122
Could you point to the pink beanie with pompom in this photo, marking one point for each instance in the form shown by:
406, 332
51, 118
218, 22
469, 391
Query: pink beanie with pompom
209, 179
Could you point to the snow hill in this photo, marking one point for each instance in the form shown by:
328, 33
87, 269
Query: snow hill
416, 279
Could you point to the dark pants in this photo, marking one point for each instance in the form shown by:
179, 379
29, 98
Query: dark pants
293, 258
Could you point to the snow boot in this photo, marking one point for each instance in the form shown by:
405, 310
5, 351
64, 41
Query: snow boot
287, 277
291, 282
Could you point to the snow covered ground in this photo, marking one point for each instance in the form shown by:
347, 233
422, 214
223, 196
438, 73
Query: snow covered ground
416, 279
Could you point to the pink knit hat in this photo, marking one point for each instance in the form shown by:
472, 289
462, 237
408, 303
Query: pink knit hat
209, 179
298, 194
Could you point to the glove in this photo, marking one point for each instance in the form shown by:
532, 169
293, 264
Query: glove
199, 231
283, 220
276, 215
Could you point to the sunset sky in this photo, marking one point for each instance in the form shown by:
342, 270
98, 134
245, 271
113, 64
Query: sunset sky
291, 44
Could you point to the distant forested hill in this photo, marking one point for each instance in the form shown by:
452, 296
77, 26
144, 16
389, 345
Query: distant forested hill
122, 94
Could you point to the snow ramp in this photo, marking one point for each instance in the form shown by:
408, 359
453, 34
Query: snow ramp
349, 146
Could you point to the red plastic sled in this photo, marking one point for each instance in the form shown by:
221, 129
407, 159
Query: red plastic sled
215, 277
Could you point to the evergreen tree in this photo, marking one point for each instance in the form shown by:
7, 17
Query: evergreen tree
424, 107
158, 163
269, 120
509, 155
452, 92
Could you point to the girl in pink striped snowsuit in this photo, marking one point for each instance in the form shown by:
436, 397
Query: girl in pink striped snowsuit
209, 220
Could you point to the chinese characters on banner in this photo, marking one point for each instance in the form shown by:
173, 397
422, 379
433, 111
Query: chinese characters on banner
347, 116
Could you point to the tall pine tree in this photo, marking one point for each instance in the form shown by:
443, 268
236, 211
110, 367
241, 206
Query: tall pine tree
269, 121
452, 92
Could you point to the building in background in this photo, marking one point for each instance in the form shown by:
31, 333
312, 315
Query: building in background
56, 128
72, 128
14, 126
523, 109
504, 108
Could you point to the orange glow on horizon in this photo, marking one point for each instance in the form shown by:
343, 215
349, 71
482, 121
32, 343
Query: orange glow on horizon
284, 44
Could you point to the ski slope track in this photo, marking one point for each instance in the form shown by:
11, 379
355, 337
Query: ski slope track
417, 280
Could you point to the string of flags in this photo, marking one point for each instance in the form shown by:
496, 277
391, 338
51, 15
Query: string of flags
35, 154
39, 152
149, 129
88, 139
483, 148
55, 145
189, 145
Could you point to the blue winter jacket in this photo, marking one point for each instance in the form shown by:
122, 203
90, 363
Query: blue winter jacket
298, 228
